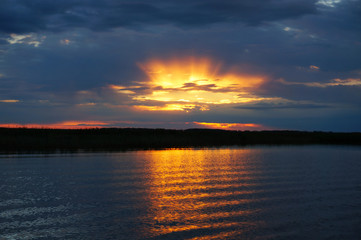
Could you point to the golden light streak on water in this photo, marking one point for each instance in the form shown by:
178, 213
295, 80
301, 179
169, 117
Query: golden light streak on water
298, 192
183, 183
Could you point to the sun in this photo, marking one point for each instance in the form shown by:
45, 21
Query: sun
190, 83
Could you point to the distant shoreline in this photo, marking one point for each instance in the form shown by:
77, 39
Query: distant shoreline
114, 139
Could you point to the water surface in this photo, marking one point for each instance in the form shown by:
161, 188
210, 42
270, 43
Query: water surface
298, 192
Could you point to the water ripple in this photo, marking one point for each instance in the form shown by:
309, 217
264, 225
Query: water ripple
247, 193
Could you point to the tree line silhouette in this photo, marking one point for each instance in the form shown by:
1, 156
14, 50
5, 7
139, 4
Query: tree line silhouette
29, 139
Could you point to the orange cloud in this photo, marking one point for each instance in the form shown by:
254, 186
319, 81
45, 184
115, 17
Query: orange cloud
184, 84
231, 126
9, 101
172, 107
61, 125
315, 68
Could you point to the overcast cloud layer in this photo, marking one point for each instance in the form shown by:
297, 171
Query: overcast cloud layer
86, 62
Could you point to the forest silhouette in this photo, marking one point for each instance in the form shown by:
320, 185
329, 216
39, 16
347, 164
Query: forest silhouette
99, 139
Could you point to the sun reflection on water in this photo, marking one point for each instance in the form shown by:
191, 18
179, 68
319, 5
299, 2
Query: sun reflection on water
189, 191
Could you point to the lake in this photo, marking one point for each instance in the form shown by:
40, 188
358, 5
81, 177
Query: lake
281, 192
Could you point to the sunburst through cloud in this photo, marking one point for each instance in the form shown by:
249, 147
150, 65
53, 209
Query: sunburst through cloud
169, 119
190, 83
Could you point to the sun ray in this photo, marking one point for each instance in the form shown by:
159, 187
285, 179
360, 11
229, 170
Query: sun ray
190, 83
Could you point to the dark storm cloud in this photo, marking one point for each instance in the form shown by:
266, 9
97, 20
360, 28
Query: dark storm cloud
22, 16
271, 106
346, 15
3, 42
63, 57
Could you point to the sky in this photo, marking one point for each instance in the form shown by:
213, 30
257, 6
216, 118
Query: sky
236, 64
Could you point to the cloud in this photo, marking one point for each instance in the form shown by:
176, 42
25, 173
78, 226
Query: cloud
29, 39
283, 104
231, 126
328, 3
315, 68
86, 68
65, 41
172, 107
3, 41
191, 83
9, 101
25, 16
60, 125
333, 83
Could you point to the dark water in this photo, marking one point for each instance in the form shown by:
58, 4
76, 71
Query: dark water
307, 192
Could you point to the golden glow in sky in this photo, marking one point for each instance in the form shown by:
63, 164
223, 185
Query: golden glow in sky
60, 125
185, 84
231, 126
9, 101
